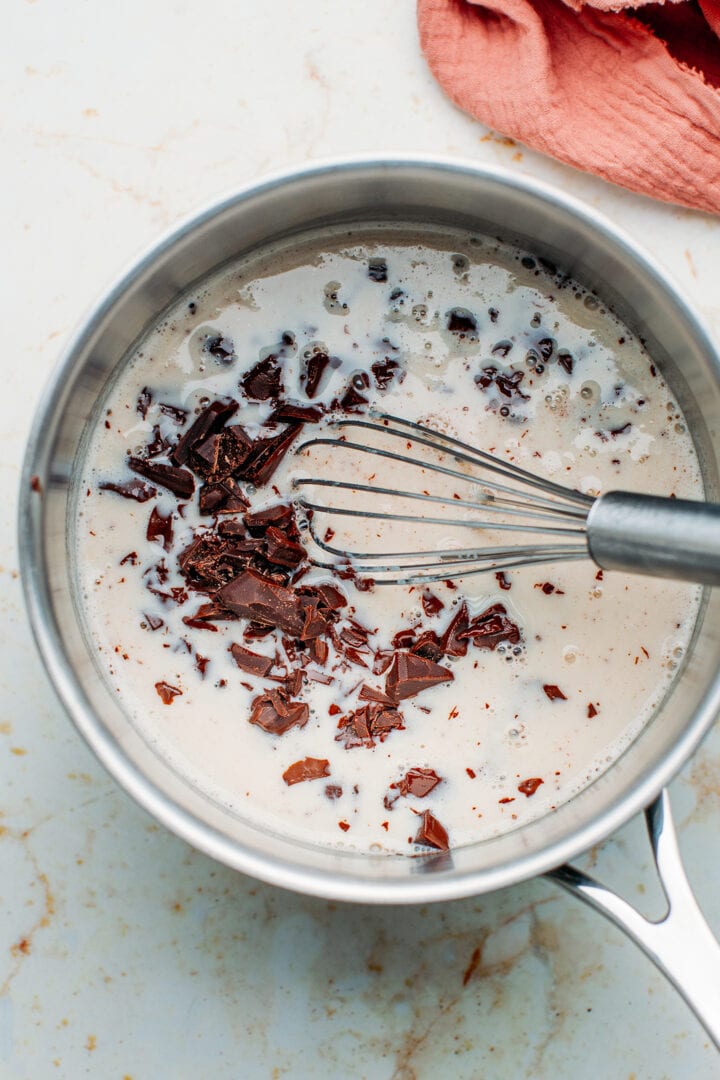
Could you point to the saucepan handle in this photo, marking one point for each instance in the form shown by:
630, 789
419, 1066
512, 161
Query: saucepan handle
681, 943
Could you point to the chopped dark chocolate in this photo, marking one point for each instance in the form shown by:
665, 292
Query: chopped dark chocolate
221, 454
429, 646
418, 782
411, 674
309, 768
275, 713
174, 412
377, 270
255, 597
154, 622
290, 413
144, 401
224, 497
160, 528
179, 481
266, 454
565, 360
492, 626
371, 693
553, 692
315, 365
431, 603
281, 515
502, 580
333, 791
591, 711
354, 395
167, 692
282, 551
452, 642
130, 489
369, 723
385, 370
508, 384
253, 663
221, 347
210, 420
404, 639
529, 787
264, 381
432, 833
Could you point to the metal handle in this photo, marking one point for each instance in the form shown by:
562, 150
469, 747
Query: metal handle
645, 534
681, 944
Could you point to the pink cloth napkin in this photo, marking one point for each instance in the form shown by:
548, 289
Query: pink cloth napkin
630, 92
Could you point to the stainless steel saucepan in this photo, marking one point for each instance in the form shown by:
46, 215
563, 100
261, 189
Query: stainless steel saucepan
406, 190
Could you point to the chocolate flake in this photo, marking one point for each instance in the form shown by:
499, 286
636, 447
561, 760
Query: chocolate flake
221, 347
266, 454
453, 643
160, 528
385, 370
365, 725
167, 692
309, 768
432, 833
502, 580
144, 401
253, 663
315, 365
462, 322
333, 791
275, 713
492, 626
377, 270
210, 420
431, 603
290, 413
553, 692
130, 489
179, 481
529, 787
255, 597
264, 381
418, 782
591, 711
508, 384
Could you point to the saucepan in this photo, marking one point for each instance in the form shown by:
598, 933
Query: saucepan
405, 190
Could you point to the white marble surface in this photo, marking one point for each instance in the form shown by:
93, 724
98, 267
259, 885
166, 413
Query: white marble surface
123, 953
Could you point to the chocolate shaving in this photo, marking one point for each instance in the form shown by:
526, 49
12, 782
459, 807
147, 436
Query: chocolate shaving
492, 626
371, 693
309, 768
315, 365
167, 692
275, 713
160, 528
253, 663
130, 489
502, 580
368, 724
411, 674
210, 420
179, 481
290, 413
431, 603
432, 833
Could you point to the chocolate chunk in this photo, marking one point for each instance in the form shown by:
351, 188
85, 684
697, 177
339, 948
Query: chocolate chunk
157, 445
175, 413
502, 348
548, 588
429, 646
418, 782
221, 347
492, 626
329, 598
167, 692
281, 515
315, 365
131, 557
553, 692
365, 725
333, 791
264, 381
255, 597
432, 833
452, 642
207, 423
385, 370
566, 361
160, 528
309, 768
410, 675
279, 549
222, 453
462, 322
431, 603
371, 693
377, 270
354, 395
275, 713
154, 622
130, 489
179, 481
508, 384
253, 663
289, 413
224, 497
144, 401
211, 562
502, 580
591, 711
266, 454
529, 787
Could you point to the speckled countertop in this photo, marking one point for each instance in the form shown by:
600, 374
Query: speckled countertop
123, 953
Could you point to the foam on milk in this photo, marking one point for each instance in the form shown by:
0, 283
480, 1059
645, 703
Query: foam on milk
610, 641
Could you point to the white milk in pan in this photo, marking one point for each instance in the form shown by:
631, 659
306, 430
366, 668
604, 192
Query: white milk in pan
447, 324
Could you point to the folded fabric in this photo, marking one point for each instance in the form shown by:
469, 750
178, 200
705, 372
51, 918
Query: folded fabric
632, 95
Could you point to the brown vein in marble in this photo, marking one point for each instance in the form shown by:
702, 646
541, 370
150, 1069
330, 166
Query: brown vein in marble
23, 946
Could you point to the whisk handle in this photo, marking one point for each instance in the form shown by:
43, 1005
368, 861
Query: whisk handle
645, 534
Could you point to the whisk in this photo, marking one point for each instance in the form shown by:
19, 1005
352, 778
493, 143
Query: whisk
643, 534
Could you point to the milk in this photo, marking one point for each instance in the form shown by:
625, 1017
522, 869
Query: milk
611, 643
